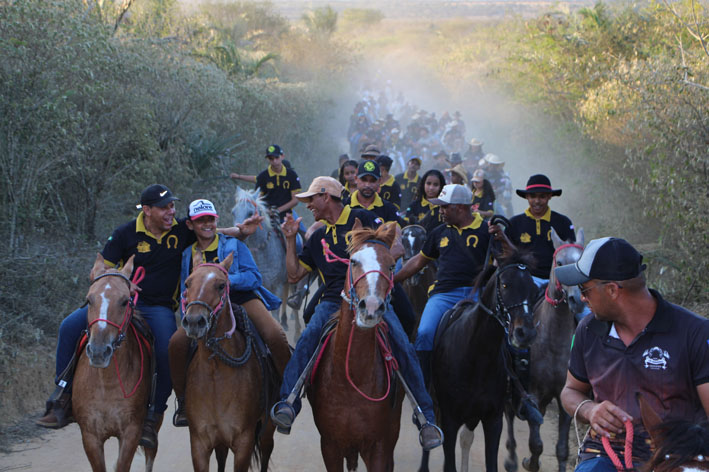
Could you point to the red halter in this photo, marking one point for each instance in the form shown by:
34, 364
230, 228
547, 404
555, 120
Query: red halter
553, 301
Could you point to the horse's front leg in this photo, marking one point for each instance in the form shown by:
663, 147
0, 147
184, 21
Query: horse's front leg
243, 447
492, 427
200, 453
331, 456
562, 445
511, 444
466, 443
127, 445
266, 444
93, 446
536, 447
450, 427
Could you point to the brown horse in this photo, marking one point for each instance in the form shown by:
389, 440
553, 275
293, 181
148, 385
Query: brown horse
549, 358
111, 389
355, 405
224, 398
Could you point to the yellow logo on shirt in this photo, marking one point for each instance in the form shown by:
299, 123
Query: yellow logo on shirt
269, 185
525, 238
474, 238
143, 246
444, 241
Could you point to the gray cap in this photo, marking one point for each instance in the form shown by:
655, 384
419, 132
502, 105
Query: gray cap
603, 259
454, 194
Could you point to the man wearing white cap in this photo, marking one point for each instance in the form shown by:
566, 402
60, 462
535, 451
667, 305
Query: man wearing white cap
323, 200
246, 289
636, 342
459, 246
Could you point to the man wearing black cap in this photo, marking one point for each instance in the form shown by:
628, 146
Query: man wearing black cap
367, 195
278, 183
157, 240
388, 188
636, 342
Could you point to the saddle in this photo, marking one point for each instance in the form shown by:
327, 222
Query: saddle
450, 316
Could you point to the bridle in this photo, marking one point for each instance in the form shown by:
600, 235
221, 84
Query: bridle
213, 312
558, 287
502, 312
352, 297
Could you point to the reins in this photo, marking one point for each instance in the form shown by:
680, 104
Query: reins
558, 288
213, 313
138, 277
390, 362
628, 452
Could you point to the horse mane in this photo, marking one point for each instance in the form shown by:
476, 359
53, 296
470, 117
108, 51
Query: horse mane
360, 236
678, 442
246, 197
515, 256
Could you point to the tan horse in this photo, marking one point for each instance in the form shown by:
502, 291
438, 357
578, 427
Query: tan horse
223, 402
112, 387
355, 405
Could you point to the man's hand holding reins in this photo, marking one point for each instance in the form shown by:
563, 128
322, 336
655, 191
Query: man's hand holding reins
605, 417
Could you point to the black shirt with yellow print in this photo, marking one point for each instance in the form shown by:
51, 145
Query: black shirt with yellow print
407, 187
528, 232
390, 192
424, 213
460, 253
380, 207
313, 255
161, 257
278, 188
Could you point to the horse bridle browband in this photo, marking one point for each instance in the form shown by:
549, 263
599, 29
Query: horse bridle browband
502, 312
213, 312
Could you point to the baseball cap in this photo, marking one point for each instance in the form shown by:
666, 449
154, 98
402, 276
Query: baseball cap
156, 195
274, 150
603, 259
322, 185
415, 158
200, 208
454, 194
369, 168
478, 176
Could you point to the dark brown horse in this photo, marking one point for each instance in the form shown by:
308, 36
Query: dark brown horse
416, 286
111, 388
549, 358
469, 373
224, 399
356, 406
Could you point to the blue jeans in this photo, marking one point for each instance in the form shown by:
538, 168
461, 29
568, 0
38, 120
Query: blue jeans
435, 308
401, 347
598, 464
161, 320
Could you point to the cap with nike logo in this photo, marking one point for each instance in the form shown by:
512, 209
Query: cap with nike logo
156, 195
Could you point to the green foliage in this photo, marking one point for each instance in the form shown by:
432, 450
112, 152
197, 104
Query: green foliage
321, 21
358, 17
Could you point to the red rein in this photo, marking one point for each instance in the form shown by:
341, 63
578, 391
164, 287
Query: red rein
552, 301
382, 328
138, 276
627, 454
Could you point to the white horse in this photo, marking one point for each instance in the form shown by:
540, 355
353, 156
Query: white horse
267, 247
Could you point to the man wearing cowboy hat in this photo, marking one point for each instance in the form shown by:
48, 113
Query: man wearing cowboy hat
501, 183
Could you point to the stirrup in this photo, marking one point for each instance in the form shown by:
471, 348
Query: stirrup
435, 441
283, 417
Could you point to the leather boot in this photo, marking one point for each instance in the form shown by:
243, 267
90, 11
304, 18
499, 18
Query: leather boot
149, 437
179, 419
58, 412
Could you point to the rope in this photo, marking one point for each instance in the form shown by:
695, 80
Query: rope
390, 362
627, 453
552, 301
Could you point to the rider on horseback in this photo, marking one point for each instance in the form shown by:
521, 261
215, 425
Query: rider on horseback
323, 200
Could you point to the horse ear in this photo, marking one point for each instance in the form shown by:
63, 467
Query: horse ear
357, 225
196, 258
650, 418
98, 268
389, 233
555, 239
580, 237
128, 266
226, 263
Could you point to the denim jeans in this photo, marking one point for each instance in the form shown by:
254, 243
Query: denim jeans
436, 306
401, 347
161, 320
597, 464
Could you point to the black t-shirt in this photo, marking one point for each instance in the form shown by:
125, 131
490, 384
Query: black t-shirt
460, 253
313, 255
407, 188
161, 257
380, 207
390, 192
533, 234
483, 203
278, 188
424, 213
666, 363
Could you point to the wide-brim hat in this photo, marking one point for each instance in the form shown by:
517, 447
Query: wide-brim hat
493, 159
370, 151
475, 142
322, 185
460, 170
538, 183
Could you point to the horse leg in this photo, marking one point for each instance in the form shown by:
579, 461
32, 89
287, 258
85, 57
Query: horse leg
127, 445
200, 453
266, 445
284, 306
450, 427
243, 447
511, 444
423, 467
93, 447
492, 427
221, 452
331, 456
562, 445
466, 443
536, 446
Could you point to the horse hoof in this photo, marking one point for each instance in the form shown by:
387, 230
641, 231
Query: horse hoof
527, 464
510, 465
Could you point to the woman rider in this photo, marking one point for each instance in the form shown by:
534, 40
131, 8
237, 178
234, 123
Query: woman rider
422, 211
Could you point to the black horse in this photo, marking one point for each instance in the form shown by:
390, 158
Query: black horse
469, 373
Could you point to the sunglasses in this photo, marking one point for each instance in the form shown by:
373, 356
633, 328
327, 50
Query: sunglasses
585, 290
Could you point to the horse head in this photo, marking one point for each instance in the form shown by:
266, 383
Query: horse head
248, 203
412, 238
371, 272
206, 293
512, 292
109, 310
566, 252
